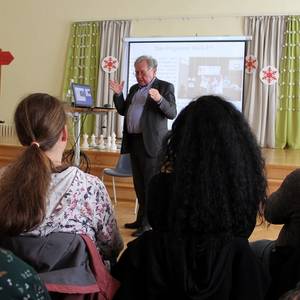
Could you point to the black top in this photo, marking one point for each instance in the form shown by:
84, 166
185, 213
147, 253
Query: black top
283, 207
161, 264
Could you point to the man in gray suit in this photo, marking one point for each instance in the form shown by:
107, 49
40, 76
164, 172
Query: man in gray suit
147, 108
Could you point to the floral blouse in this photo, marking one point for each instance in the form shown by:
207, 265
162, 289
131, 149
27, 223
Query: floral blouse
18, 280
79, 203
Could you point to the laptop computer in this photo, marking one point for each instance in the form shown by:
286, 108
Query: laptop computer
82, 95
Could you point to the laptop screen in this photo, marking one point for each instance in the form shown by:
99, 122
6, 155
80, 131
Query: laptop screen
82, 95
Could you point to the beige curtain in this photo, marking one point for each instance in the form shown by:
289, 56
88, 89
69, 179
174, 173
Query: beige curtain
113, 33
260, 100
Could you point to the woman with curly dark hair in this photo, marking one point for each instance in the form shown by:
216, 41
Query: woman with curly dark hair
202, 207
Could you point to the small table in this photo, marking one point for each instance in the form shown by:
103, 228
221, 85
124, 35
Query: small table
76, 114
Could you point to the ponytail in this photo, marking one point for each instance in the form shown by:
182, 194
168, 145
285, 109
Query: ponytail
24, 184
22, 192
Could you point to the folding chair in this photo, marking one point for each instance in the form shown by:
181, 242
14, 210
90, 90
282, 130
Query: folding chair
122, 169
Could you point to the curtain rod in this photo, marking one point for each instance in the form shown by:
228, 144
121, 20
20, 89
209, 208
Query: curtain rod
205, 17
95, 21
191, 17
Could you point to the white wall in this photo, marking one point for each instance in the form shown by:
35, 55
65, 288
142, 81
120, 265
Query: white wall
36, 32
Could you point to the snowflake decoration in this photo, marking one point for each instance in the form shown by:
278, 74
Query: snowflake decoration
269, 75
110, 64
250, 64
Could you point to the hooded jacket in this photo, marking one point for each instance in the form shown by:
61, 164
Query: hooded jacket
78, 202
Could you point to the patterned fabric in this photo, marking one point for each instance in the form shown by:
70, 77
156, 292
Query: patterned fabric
18, 280
82, 63
79, 203
288, 112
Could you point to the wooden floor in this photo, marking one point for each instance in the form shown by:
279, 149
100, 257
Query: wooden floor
279, 163
124, 211
282, 157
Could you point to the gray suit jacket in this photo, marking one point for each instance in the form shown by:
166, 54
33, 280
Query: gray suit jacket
154, 119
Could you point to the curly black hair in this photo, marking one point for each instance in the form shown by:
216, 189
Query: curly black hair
219, 180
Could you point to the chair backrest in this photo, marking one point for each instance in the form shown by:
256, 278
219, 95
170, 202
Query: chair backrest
124, 164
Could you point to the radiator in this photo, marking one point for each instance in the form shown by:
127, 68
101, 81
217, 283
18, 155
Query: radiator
7, 130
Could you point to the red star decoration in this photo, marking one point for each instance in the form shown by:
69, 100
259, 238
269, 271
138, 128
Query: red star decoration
110, 64
269, 75
250, 64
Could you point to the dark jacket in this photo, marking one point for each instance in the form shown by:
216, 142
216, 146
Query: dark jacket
159, 265
154, 119
69, 264
283, 207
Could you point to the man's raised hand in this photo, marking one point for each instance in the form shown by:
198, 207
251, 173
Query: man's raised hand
116, 87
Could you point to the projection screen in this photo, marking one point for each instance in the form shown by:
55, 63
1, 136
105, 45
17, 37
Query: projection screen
195, 65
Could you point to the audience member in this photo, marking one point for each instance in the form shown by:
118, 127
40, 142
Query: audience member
39, 194
202, 208
281, 257
18, 280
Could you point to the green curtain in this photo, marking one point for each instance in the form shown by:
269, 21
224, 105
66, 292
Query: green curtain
288, 108
82, 64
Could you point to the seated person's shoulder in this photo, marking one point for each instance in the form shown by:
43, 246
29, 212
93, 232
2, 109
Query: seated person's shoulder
294, 174
79, 178
292, 179
18, 280
89, 179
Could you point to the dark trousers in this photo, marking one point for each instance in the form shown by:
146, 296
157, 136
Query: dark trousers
143, 168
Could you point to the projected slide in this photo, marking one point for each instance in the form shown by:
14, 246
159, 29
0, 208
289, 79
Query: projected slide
195, 67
